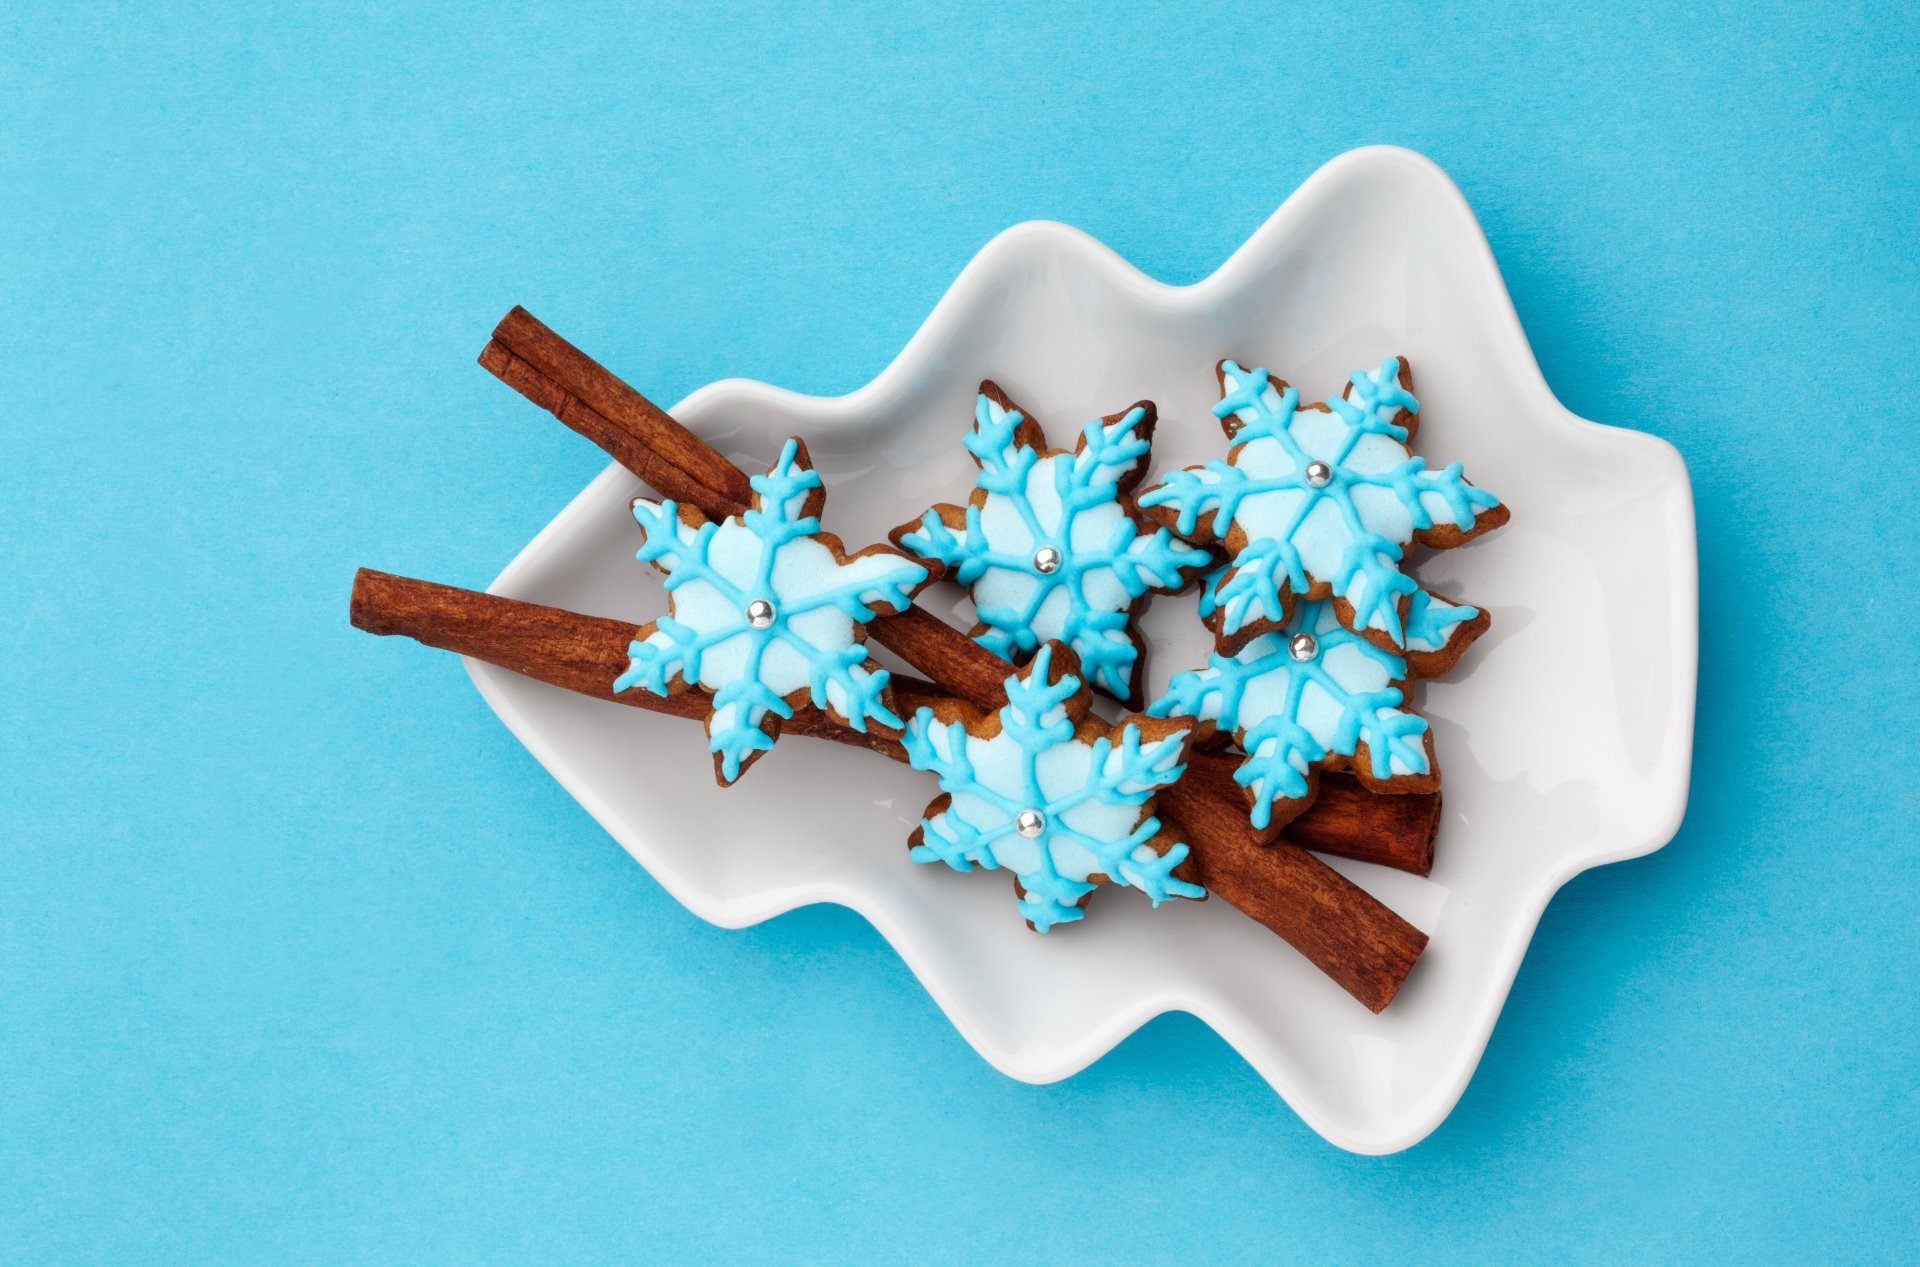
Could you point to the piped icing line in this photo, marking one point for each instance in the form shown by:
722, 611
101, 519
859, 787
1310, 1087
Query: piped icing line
1315, 695
1438, 633
1050, 545
765, 611
1047, 790
1319, 501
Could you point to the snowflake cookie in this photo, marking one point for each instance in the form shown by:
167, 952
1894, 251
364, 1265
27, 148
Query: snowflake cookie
1050, 544
1319, 501
765, 612
1050, 792
1315, 695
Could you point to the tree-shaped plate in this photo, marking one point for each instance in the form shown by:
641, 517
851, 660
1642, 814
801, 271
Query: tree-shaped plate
1565, 735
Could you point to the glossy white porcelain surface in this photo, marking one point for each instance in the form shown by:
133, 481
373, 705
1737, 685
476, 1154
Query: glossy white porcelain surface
1565, 735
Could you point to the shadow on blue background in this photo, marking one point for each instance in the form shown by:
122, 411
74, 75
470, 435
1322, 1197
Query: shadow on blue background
303, 957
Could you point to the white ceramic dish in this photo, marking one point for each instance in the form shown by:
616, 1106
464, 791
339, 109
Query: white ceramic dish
1565, 735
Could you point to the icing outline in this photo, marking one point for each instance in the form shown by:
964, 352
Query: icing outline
1050, 545
1291, 537
1091, 785
1340, 706
759, 664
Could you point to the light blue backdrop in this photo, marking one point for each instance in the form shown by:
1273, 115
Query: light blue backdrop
302, 957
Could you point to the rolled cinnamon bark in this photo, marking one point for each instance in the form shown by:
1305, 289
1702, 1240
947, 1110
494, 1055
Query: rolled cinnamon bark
1362, 945
1346, 820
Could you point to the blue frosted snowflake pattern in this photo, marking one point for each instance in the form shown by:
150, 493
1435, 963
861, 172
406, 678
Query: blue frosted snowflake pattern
762, 607
1324, 496
1311, 691
1049, 795
1049, 549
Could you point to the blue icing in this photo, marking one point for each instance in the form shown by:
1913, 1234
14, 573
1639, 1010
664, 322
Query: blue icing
1289, 714
1431, 621
1349, 532
808, 642
1092, 796
1069, 503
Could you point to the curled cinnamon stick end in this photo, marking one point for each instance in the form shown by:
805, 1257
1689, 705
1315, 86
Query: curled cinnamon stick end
1345, 819
1341, 928
1361, 944
1348, 821
631, 429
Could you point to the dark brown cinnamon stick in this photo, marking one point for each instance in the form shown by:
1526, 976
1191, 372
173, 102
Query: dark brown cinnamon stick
631, 429
1345, 819
1362, 945
1350, 822
645, 439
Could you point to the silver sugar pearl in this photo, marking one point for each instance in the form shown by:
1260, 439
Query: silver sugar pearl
1303, 646
760, 613
1030, 823
1046, 559
1318, 473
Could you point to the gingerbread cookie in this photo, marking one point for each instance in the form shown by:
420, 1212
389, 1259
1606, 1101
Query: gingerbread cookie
1050, 792
1315, 695
1319, 501
1050, 545
767, 611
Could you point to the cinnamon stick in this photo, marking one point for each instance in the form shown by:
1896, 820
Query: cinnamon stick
1362, 945
1348, 821
631, 429
589, 398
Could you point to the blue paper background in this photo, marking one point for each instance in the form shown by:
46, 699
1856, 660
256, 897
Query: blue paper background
302, 957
